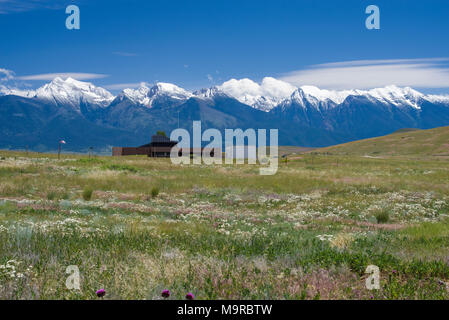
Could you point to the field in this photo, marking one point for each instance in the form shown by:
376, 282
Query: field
413, 144
136, 226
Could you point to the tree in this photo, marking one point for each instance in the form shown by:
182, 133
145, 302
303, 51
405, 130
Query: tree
161, 133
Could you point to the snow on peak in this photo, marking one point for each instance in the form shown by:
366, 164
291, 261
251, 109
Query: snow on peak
438, 98
146, 96
388, 95
299, 97
397, 96
16, 92
67, 92
139, 95
208, 92
264, 96
312, 96
323, 94
74, 92
272, 92
171, 90
392, 95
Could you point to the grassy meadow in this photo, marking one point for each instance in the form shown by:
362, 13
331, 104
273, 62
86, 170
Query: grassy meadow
136, 226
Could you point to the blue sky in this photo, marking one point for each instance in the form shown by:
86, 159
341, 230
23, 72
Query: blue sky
200, 43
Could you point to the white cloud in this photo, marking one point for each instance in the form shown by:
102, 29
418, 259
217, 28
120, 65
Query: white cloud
269, 87
74, 75
380, 61
365, 74
6, 75
264, 96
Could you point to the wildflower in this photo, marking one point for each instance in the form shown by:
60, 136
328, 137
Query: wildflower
372, 297
190, 296
394, 271
166, 293
100, 293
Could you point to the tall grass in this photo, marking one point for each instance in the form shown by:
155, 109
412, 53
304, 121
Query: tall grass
87, 193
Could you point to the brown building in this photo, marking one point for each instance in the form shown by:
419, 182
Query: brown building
160, 146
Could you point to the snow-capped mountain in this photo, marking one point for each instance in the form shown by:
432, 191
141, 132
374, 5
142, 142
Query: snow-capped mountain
210, 93
68, 92
138, 96
272, 93
305, 100
396, 96
389, 95
5, 91
309, 116
325, 95
437, 98
147, 96
265, 96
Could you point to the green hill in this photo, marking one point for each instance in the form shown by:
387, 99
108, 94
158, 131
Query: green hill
431, 142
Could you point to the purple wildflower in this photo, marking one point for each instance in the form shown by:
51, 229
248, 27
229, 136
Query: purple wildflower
166, 293
190, 296
100, 293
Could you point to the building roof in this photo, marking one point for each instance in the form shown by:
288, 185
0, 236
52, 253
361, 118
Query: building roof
158, 140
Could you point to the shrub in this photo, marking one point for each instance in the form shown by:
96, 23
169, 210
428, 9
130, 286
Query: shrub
87, 193
154, 192
382, 217
51, 195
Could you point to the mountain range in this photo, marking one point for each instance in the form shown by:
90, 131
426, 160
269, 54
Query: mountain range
86, 116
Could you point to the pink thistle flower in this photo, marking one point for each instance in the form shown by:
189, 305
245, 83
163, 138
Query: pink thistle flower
166, 293
190, 296
100, 293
